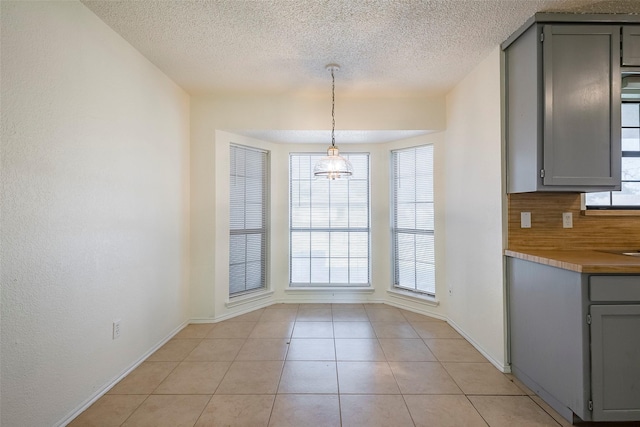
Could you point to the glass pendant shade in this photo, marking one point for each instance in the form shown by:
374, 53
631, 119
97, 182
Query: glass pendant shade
333, 166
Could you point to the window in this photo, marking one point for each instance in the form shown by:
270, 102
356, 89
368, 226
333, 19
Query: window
413, 219
629, 195
329, 224
247, 220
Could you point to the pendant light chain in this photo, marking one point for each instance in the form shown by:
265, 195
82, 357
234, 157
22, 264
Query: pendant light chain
333, 166
333, 109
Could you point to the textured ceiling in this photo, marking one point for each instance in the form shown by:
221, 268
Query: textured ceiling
385, 47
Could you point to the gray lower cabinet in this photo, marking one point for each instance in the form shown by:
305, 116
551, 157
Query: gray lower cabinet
575, 339
563, 108
615, 387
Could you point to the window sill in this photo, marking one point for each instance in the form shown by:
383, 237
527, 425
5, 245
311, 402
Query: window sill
245, 299
328, 289
413, 296
610, 212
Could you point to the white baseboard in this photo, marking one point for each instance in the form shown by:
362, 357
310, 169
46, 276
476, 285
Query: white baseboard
401, 304
104, 389
506, 369
254, 305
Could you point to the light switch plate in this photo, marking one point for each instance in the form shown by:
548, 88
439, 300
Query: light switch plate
525, 219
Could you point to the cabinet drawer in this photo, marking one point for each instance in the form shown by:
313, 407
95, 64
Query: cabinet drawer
614, 288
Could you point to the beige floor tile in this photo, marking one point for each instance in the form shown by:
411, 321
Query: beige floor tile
174, 350
423, 378
237, 411
313, 330
443, 411
283, 305
299, 377
252, 316
264, 349
314, 305
144, 379
549, 410
374, 411
359, 349
228, 329
509, 411
394, 330
279, 315
454, 350
435, 330
195, 330
194, 378
293, 410
109, 410
272, 330
406, 350
520, 385
168, 411
385, 315
366, 378
311, 349
353, 330
216, 350
349, 315
314, 314
251, 378
347, 306
481, 378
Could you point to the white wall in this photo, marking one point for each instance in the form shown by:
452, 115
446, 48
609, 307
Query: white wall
212, 124
94, 199
474, 209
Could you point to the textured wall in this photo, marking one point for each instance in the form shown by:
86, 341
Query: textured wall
94, 204
474, 209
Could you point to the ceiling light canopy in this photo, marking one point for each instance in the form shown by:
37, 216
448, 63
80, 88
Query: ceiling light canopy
333, 166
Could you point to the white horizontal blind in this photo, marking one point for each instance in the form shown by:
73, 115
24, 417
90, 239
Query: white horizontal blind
413, 219
629, 195
247, 220
329, 224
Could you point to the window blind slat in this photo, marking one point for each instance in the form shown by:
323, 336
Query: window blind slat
413, 219
248, 220
329, 220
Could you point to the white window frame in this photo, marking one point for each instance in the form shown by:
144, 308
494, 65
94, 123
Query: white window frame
329, 229
262, 231
421, 252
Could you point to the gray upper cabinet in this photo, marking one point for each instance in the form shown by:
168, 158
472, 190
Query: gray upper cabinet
631, 45
563, 108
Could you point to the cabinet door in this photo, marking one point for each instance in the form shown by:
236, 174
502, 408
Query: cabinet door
631, 45
615, 362
581, 73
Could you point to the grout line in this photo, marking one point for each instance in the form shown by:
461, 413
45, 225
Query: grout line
136, 408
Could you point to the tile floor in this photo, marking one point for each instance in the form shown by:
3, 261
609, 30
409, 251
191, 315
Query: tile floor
315, 365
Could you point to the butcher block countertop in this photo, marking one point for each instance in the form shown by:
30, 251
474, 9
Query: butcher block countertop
581, 261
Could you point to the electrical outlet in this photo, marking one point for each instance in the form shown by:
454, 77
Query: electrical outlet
116, 329
525, 219
567, 220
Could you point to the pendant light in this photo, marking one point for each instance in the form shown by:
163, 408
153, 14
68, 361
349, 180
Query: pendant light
333, 166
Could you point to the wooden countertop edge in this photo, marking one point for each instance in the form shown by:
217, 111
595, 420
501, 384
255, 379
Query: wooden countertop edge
604, 266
